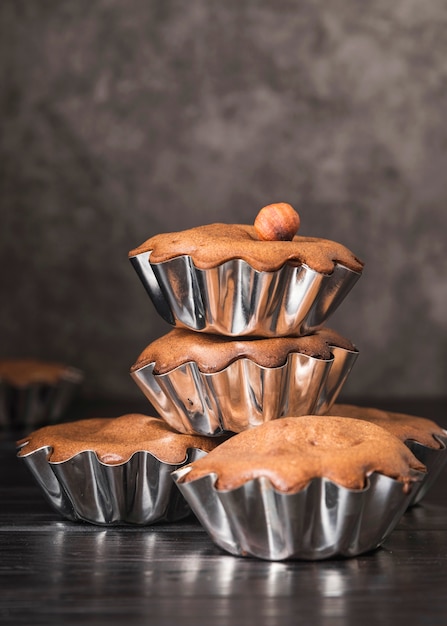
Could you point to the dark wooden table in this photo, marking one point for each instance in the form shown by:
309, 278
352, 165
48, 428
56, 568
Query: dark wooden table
58, 572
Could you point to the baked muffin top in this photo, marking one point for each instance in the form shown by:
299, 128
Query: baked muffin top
405, 427
213, 353
291, 451
22, 372
116, 439
213, 244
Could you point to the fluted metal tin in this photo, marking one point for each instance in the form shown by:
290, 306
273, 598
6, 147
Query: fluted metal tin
38, 403
234, 299
323, 520
244, 394
342, 363
434, 460
82, 488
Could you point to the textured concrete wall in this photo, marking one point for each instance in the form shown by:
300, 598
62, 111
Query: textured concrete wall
123, 119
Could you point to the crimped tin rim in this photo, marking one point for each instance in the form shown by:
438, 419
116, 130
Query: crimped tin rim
207, 374
242, 358
272, 528
185, 470
212, 412
442, 439
49, 449
289, 262
309, 299
138, 491
435, 460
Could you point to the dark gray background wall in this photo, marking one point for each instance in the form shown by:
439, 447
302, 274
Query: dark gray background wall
120, 119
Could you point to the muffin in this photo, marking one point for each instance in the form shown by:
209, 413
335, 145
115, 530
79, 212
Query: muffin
302, 487
228, 279
112, 470
35, 392
212, 384
426, 439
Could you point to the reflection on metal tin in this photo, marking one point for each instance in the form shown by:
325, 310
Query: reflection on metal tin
244, 394
82, 488
323, 520
236, 300
434, 459
37, 403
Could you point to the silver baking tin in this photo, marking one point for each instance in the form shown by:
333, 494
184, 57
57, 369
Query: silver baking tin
39, 403
234, 299
82, 488
323, 520
434, 460
244, 394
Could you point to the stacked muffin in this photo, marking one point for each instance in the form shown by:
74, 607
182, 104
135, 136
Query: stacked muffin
250, 438
249, 304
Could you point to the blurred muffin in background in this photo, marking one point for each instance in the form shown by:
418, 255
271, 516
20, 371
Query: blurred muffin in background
35, 392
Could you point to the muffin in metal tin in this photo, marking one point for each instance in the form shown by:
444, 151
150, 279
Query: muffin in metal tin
225, 279
34, 392
426, 439
211, 384
112, 470
303, 488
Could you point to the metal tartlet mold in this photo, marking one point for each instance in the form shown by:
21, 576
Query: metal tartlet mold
38, 403
234, 299
323, 520
139, 491
244, 394
434, 460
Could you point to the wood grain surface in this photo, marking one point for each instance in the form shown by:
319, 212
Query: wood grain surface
58, 572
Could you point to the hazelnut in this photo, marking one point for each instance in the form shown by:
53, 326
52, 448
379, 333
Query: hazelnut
277, 222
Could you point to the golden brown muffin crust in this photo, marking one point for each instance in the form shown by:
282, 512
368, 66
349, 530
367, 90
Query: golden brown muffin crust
291, 451
213, 244
115, 439
405, 427
213, 353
